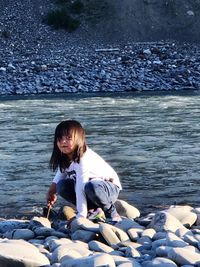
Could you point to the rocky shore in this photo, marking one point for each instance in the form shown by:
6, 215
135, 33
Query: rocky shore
100, 68
166, 238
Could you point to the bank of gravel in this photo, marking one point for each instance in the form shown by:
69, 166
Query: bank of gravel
35, 59
166, 238
100, 68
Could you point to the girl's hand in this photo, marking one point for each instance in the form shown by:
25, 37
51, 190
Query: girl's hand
51, 195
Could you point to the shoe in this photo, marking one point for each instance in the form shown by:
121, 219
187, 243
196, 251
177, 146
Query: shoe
113, 218
96, 215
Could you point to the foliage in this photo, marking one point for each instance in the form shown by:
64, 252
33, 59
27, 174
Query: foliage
60, 18
66, 15
77, 7
5, 34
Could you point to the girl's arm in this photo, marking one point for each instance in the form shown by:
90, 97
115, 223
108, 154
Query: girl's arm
51, 195
81, 179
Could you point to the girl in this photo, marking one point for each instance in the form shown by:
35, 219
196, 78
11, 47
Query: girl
83, 177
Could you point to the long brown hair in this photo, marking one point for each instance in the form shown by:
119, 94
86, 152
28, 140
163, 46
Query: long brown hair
75, 130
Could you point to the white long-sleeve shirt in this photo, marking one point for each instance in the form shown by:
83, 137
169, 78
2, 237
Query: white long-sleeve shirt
91, 166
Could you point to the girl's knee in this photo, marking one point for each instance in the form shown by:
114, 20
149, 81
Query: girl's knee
89, 188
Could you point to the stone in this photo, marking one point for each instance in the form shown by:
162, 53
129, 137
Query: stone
183, 256
97, 260
24, 234
126, 224
69, 211
62, 251
97, 246
162, 251
122, 260
83, 235
40, 222
112, 234
9, 225
184, 214
187, 236
43, 231
126, 210
150, 232
84, 224
160, 262
173, 240
53, 243
163, 221
20, 253
132, 252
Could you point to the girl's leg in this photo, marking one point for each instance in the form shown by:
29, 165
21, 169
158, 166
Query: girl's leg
103, 194
66, 189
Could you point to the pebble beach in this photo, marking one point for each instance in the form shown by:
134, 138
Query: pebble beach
166, 238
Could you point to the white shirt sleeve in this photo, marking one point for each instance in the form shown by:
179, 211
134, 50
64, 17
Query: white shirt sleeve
81, 179
59, 176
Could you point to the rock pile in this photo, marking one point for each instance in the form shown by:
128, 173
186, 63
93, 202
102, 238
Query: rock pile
167, 238
91, 68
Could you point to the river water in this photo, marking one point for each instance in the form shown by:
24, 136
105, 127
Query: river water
151, 139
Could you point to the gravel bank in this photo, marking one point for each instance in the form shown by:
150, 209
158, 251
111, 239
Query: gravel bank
37, 60
100, 68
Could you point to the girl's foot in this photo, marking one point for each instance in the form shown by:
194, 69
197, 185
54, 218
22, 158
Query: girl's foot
96, 215
113, 218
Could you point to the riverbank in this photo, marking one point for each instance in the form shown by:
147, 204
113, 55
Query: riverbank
100, 68
170, 237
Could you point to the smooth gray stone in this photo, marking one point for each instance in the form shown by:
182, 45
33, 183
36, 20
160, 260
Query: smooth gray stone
24, 234
184, 256
164, 221
134, 234
173, 240
150, 232
126, 210
127, 224
158, 243
96, 260
132, 252
84, 224
123, 260
159, 235
99, 247
19, 253
184, 214
43, 231
112, 234
187, 236
40, 222
160, 262
52, 244
9, 225
62, 250
162, 251
83, 235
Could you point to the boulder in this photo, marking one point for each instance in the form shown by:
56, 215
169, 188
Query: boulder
126, 210
19, 253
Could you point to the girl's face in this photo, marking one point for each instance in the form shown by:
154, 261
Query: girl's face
66, 145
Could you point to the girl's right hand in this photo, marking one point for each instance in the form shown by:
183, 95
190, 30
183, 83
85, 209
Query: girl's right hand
51, 195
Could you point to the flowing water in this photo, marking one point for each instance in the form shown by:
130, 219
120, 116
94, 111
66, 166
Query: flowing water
152, 141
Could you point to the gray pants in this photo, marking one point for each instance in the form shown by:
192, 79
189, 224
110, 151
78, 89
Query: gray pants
99, 193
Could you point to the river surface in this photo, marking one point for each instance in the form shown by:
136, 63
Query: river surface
151, 139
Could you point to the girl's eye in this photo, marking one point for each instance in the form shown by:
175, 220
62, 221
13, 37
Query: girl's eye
64, 138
